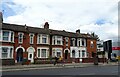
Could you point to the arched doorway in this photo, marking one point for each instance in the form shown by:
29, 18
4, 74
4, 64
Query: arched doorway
31, 51
66, 54
19, 55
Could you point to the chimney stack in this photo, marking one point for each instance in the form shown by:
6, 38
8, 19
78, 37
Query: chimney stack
78, 31
46, 26
1, 17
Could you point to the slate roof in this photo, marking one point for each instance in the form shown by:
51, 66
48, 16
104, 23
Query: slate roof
24, 28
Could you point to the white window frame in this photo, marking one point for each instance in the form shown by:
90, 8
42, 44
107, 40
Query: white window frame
9, 55
79, 53
20, 42
83, 40
40, 37
12, 36
6, 36
31, 38
9, 36
44, 36
67, 40
84, 54
73, 41
55, 50
79, 42
55, 40
47, 52
73, 55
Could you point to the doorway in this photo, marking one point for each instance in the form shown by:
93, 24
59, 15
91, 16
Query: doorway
66, 54
20, 55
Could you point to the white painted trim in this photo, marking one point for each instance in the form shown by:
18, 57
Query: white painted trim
56, 38
47, 51
8, 56
22, 37
20, 47
9, 37
31, 37
29, 48
41, 35
55, 50
67, 49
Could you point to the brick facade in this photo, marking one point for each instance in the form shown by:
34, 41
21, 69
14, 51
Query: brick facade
41, 52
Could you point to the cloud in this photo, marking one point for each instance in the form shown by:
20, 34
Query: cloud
87, 15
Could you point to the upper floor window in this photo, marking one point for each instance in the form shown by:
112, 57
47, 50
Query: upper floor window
31, 38
78, 42
57, 40
66, 39
83, 43
20, 37
12, 37
7, 36
72, 41
38, 38
42, 39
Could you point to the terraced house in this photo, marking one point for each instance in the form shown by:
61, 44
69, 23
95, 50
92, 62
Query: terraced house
38, 45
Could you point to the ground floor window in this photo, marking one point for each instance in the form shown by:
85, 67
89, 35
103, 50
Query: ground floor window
73, 53
7, 52
57, 52
83, 53
42, 52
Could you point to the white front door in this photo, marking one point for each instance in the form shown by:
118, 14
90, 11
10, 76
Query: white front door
31, 56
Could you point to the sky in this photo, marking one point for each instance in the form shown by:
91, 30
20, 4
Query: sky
99, 16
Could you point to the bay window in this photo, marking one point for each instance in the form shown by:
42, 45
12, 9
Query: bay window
42, 52
7, 52
57, 40
56, 52
6, 36
42, 39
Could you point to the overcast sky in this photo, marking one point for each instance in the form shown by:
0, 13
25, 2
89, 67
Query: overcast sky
99, 16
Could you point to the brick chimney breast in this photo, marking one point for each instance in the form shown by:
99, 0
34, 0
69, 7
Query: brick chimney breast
46, 26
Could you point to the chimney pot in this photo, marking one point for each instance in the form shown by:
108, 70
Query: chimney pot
78, 31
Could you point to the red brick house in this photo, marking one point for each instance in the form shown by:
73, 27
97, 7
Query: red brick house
22, 42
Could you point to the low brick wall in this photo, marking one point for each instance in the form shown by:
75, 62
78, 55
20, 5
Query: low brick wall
8, 61
91, 60
43, 61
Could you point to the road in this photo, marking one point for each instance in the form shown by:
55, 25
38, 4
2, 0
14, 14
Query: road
92, 70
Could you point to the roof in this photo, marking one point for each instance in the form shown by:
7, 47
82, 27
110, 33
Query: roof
24, 28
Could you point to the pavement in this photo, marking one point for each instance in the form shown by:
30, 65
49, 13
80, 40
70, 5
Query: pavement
49, 66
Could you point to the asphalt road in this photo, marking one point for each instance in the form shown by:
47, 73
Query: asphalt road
93, 70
